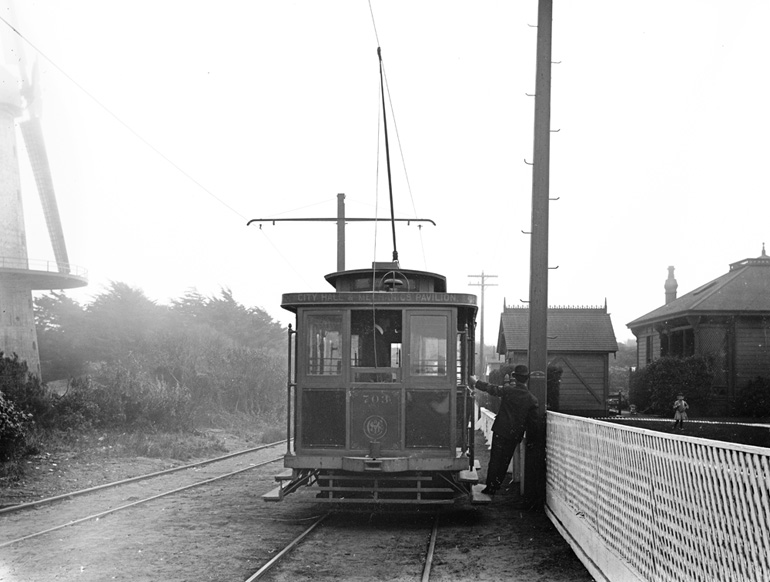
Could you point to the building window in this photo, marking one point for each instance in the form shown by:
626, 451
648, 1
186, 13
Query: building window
679, 343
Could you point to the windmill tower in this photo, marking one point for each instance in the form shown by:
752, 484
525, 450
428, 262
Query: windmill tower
19, 276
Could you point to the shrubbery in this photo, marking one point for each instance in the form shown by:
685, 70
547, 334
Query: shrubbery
128, 396
130, 363
144, 364
13, 427
126, 366
654, 388
753, 400
117, 398
22, 389
21, 399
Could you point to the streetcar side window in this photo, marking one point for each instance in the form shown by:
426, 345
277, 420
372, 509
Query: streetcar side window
375, 342
428, 345
324, 345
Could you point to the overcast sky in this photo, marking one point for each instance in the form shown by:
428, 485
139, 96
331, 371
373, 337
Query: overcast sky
171, 123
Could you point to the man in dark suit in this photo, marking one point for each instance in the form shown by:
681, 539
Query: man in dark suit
518, 413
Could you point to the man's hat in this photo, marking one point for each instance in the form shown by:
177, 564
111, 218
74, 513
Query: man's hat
521, 370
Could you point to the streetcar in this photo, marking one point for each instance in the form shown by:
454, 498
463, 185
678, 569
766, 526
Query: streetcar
378, 404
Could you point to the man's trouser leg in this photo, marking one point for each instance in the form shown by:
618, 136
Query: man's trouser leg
499, 458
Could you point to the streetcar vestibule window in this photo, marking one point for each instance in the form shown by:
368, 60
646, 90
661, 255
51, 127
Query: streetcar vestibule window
375, 342
324, 343
428, 345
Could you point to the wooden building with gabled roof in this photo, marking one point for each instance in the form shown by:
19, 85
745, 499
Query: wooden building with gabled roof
727, 319
580, 341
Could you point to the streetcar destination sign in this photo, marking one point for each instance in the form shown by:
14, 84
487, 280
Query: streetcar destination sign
378, 297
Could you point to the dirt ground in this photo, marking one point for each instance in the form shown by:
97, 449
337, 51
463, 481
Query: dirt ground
227, 532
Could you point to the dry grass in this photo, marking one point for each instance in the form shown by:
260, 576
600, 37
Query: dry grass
227, 433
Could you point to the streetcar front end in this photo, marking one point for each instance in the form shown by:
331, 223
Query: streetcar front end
378, 398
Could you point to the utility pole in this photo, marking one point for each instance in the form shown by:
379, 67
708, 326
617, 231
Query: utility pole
483, 285
534, 467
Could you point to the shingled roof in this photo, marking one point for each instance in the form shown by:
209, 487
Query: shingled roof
570, 329
744, 289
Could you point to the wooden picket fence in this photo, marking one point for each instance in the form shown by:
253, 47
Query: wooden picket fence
641, 505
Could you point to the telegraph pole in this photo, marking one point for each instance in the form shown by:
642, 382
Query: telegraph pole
534, 468
483, 285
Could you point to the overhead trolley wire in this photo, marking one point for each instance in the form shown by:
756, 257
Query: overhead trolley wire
374, 24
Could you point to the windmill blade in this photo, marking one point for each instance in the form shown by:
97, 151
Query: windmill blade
32, 131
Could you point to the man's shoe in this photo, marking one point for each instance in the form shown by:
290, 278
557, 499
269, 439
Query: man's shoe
489, 490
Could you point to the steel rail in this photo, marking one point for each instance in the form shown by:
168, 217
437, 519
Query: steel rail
135, 503
20, 506
275, 559
431, 550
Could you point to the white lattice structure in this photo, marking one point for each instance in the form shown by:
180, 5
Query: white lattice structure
642, 505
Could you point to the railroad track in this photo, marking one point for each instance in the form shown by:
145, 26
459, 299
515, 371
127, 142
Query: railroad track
280, 554
70, 495
207, 528
208, 479
342, 524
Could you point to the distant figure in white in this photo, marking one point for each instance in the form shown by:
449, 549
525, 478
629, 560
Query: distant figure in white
680, 412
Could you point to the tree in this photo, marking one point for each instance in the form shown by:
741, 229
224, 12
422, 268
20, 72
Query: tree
61, 334
201, 353
249, 327
120, 322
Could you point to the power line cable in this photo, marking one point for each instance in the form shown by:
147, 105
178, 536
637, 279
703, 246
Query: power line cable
286, 260
119, 120
306, 206
374, 24
145, 141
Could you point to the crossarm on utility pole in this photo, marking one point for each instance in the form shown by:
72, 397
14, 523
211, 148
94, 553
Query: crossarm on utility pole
341, 219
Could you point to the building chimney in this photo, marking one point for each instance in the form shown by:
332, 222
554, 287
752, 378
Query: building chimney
670, 286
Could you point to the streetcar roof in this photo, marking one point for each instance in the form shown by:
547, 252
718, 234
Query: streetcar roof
383, 284
343, 280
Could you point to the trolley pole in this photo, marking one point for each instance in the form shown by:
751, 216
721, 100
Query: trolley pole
483, 285
534, 467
